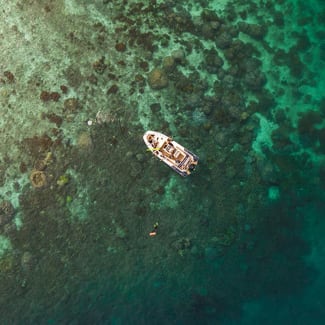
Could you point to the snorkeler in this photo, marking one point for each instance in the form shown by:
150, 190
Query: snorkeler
154, 230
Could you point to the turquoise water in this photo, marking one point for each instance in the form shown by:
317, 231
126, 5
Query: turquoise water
239, 83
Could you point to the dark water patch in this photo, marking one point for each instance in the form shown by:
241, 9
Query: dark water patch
307, 127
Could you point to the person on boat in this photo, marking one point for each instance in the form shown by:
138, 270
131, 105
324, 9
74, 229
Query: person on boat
152, 141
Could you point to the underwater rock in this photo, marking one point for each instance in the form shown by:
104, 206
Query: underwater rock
193, 100
155, 107
253, 30
112, 90
10, 76
99, 66
71, 105
213, 61
41, 164
178, 56
233, 103
92, 79
239, 51
64, 89
184, 83
157, 79
46, 96
229, 81
209, 29
54, 118
208, 23
168, 63
254, 80
7, 212
120, 47
251, 64
38, 178
224, 40
144, 65
38, 145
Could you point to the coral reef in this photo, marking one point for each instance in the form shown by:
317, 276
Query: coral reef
157, 79
46, 96
231, 74
99, 65
6, 263
71, 105
7, 212
38, 178
42, 163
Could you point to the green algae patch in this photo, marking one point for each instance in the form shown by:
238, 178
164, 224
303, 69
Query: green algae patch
63, 180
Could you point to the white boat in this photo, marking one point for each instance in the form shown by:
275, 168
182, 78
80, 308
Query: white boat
171, 153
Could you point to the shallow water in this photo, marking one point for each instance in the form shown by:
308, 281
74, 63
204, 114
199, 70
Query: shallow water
239, 83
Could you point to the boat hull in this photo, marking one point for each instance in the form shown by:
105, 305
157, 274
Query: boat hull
180, 159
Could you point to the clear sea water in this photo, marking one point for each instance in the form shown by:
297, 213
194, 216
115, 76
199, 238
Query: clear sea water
239, 83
